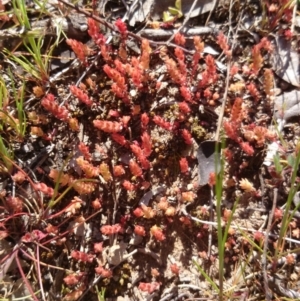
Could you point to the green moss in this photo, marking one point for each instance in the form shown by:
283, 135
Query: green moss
198, 131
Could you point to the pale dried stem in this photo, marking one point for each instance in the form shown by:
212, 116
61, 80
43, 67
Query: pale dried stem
266, 241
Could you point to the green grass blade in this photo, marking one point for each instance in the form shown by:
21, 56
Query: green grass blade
208, 279
5, 153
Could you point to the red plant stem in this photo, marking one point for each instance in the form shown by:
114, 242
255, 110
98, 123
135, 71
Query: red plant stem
39, 271
16, 214
68, 231
25, 279
61, 211
45, 264
62, 195
9, 259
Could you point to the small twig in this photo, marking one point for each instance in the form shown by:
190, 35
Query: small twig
294, 17
190, 286
94, 282
183, 210
126, 6
216, 3
129, 255
221, 114
199, 299
222, 110
165, 33
152, 254
167, 297
60, 74
116, 192
264, 255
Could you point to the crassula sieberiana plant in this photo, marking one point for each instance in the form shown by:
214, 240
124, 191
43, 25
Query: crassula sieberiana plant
145, 129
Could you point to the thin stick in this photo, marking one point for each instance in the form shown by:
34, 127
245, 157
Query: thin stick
38, 267
221, 115
112, 27
216, 3
264, 255
236, 227
294, 17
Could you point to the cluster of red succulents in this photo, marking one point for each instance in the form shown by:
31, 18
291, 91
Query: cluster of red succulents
49, 103
110, 230
81, 95
84, 257
128, 123
126, 73
252, 133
